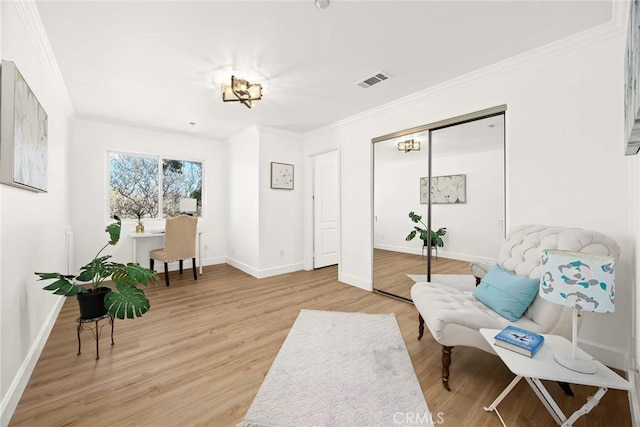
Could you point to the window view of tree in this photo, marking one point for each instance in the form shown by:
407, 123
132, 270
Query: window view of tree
134, 189
134, 185
180, 179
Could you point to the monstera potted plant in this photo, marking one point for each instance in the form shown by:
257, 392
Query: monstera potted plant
436, 236
124, 299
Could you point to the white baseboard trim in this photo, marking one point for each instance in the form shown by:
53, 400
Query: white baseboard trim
356, 281
242, 267
632, 376
282, 269
613, 357
175, 266
442, 253
394, 248
214, 260
267, 272
14, 393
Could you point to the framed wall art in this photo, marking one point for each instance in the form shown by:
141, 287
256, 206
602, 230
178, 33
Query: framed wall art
281, 176
23, 133
445, 189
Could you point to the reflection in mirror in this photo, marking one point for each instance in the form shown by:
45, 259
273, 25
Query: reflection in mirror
467, 209
396, 193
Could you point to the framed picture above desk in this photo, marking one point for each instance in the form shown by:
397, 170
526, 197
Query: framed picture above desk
158, 235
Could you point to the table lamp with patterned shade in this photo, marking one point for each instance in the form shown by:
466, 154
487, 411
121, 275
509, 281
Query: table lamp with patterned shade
583, 282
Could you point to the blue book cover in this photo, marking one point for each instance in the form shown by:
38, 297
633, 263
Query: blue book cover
519, 340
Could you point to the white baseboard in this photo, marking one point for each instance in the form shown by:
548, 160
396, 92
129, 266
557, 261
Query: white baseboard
465, 257
175, 266
14, 393
356, 281
214, 260
281, 269
632, 376
441, 252
242, 267
267, 272
610, 356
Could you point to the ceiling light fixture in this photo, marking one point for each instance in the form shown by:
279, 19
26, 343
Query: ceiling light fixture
409, 145
322, 4
241, 90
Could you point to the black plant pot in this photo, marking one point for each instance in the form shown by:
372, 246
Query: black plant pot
92, 304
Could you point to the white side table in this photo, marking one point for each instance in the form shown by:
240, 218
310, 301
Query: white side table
542, 367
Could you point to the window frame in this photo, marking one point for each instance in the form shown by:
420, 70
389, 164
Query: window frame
159, 158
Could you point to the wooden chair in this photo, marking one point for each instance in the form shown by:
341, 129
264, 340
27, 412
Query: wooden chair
179, 244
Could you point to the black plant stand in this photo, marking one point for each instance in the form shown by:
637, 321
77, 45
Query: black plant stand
95, 329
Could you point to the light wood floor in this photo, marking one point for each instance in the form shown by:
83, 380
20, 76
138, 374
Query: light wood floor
198, 357
391, 269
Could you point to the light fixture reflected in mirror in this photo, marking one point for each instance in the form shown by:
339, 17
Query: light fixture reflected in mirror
322, 4
409, 145
241, 90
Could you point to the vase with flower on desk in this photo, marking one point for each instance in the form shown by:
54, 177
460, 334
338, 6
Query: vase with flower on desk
139, 213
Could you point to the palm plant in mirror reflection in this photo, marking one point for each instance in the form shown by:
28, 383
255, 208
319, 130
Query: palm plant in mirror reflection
436, 236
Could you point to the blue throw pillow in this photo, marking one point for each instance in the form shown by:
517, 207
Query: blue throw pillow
507, 294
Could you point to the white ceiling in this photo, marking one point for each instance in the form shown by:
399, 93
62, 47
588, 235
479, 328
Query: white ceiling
158, 64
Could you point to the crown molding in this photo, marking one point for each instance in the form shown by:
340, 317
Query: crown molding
278, 131
614, 27
109, 122
28, 13
252, 128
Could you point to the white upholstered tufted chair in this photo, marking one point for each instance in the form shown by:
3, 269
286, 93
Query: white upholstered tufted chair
454, 317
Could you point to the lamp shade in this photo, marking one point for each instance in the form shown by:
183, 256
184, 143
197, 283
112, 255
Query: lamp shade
578, 280
188, 205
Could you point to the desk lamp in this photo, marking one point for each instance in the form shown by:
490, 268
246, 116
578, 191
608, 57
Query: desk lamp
188, 206
583, 282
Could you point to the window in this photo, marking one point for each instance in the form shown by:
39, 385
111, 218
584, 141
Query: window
152, 185
180, 179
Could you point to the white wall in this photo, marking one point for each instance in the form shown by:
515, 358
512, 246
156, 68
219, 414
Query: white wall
32, 225
91, 142
280, 210
564, 162
243, 201
265, 224
473, 232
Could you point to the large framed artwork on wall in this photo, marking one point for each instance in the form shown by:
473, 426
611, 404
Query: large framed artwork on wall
631, 77
445, 189
23, 133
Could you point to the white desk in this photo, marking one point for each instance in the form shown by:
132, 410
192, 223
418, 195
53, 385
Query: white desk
147, 234
542, 367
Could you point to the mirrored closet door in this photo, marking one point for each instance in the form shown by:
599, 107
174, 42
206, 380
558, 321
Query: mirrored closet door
419, 234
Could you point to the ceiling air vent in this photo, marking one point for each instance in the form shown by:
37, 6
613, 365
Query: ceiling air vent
370, 81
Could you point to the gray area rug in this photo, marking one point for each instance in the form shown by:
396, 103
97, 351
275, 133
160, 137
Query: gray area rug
445, 279
340, 369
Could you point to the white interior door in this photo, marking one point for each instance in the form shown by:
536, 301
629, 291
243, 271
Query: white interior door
326, 233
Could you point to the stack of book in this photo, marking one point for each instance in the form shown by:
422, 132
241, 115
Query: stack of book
519, 340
